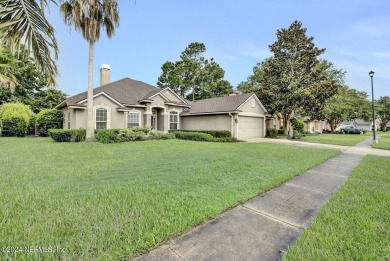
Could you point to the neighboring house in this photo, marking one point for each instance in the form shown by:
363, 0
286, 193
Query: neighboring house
359, 123
314, 125
127, 103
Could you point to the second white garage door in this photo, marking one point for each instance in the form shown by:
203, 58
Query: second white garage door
250, 127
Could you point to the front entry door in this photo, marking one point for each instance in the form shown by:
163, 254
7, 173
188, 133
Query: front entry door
154, 122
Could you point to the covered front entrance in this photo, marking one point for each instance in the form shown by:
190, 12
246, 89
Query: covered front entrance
157, 119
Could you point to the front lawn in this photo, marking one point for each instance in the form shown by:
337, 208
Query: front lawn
337, 139
114, 201
355, 223
383, 142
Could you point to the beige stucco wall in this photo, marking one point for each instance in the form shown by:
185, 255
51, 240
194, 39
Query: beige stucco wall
206, 122
117, 119
247, 107
170, 96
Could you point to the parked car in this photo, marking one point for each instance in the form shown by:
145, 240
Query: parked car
351, 130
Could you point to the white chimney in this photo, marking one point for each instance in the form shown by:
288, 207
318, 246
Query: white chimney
104, 74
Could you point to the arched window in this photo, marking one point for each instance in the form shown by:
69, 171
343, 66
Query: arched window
173, 120
101, 118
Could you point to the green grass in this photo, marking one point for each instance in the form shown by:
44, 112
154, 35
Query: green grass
355, 223
337, 139
114, 201
383, 142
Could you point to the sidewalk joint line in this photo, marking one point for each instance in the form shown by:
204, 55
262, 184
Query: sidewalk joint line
176, 253
273, 218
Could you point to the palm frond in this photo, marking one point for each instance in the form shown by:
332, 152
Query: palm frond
22, 21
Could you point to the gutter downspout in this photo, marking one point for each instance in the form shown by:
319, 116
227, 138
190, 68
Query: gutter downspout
232, 125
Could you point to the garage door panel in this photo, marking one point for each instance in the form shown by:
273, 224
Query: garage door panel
250, 127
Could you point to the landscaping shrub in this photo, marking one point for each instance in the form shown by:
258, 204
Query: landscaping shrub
132, 134
272, 133
281, 131
14, 119
199, 136
49, 119
296, 135
108, 135
14, 124
61, 135
159, 135
214, 133
297, 125
145, 130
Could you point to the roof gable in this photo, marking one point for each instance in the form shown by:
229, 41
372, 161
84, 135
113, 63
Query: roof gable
220, 104
124, 91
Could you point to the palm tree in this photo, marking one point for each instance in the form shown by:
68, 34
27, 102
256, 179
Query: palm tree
22, 21
88, 17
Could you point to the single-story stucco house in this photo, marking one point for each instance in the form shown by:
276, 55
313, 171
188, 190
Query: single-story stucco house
127, 103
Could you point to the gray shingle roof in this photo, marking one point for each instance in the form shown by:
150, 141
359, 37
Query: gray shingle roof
125, 91
220, 104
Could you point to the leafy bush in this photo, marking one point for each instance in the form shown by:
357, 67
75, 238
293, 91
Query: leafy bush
214, 133
281, 131
49, 119
159, 135
61, 135
271, 132
296, 135
132, 134
14, 119
108, 135
145, 129
298, 125
199, 136
14, 124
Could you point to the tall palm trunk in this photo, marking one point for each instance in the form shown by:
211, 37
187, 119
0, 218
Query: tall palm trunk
90, 129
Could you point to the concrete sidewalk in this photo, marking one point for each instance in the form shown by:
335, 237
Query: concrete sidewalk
361, 148
265, 226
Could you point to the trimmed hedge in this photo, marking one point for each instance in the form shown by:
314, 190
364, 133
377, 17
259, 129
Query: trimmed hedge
14, 119
214, 133
271, 132
199, 136
14, 124
49, 119
61, 135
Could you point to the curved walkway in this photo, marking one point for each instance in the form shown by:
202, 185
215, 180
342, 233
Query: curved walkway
265, 226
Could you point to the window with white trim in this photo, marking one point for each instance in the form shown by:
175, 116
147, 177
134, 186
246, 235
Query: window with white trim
173, 120
101, 118
133, 119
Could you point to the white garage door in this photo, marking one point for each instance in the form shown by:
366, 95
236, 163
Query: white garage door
250, 127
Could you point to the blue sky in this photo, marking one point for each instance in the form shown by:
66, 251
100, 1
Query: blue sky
355, 33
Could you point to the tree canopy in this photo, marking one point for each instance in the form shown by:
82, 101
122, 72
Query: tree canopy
28, 85
23, 21
294, 79
194, 76
347, 104
383, 111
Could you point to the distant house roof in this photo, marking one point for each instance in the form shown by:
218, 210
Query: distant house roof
220, 104
125, 91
